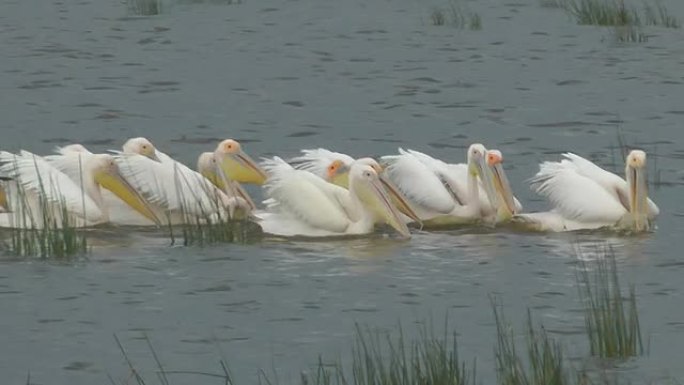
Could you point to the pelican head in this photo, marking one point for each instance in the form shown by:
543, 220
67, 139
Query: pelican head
503, 197
635, 173
365, 184
75, 148
236, 165
206, 165
140, 146
398, 199
106, 173
476, 156
337, 173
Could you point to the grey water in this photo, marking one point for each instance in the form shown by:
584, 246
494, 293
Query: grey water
360, 77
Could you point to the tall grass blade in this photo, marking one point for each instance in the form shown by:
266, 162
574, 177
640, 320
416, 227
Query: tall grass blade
613, 330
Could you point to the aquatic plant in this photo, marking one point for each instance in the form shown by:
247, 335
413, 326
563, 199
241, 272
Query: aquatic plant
612, 329
628, 34
383, 359
602, 12
144, 7
163, 374
659, 15
551, 3
457, 16
616, 13
51, 233
545, 361
438, 17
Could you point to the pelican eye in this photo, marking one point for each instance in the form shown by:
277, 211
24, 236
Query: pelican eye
144, 147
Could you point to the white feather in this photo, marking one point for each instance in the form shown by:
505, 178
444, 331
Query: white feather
307, 198
172, 185
317, 160
418, 183
43, 181
614, 184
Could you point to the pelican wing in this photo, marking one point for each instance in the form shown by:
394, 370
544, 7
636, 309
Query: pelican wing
71, 164
71, 149
454, 177
307, 197
576, 196
614, 184
165, 159
171, 185
418, 182
317, 160
36, 175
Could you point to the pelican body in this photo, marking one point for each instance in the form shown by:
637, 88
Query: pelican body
303, 204
451, 194
585, 196
42, 194
185, 195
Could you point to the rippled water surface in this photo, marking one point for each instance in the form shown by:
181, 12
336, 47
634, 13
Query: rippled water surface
362, 77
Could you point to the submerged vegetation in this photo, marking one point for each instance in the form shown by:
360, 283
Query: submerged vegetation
391, 358
456, 15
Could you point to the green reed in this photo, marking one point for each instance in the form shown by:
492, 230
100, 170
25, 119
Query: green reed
144, 7
456, 15
389, 359
208, 223
544, 363
616, 13
629, 34
612, 328
658, 15
50, 233
602, 12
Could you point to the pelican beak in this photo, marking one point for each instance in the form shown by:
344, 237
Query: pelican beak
399, 200
117, 184
638, 198
503, 191
380, 203
213, 177
3, 199
231, 187
240, 167
154, 157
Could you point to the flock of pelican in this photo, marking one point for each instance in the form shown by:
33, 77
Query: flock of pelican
319, 193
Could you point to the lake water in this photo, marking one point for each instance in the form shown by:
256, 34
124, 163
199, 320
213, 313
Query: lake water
361, 77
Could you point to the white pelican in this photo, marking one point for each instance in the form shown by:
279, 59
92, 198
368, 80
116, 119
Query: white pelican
303, 204
208, 167
437, 190
41, 192
334, 167
184, 194
585, 196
